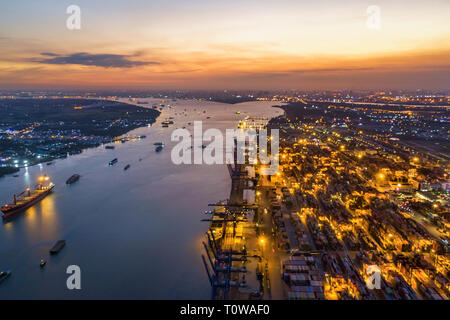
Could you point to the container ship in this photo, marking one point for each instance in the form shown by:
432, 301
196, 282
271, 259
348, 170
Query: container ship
28, 198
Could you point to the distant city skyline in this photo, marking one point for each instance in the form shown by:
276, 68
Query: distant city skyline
194, 45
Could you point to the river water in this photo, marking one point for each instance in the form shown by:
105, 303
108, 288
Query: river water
135, 234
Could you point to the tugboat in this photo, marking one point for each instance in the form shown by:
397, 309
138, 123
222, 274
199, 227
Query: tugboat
42, 263
28, 198
4, 275
166, 122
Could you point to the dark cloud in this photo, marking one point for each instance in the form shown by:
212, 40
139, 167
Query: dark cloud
49, 54
329, 70
99, 60
290, 73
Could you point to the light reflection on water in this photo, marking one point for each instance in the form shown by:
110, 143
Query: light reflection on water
135, 233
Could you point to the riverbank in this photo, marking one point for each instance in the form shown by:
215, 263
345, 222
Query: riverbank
110, 217
34, 131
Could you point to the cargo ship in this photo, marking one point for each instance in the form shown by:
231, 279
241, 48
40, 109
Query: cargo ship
73, 178
28, 198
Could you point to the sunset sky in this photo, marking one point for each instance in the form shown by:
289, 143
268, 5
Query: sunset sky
209, 44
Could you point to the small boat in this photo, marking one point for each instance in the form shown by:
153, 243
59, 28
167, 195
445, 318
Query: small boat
49, 163
158, 148
58, 246
126, 167
140, 159
110, 147
42, 263
159, 144
113, 162
73, 178
16, 175
4, 275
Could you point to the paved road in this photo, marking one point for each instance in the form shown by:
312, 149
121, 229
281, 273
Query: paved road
274, 285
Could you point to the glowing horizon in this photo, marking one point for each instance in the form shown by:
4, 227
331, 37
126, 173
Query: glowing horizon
233, 45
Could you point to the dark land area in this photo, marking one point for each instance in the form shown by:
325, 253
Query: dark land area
40, 130
88, 116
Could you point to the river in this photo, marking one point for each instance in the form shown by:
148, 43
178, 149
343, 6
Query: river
135, 234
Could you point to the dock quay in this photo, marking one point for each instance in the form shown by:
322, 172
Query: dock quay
237, 247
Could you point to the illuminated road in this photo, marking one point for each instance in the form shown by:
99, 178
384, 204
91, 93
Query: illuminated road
274, 285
